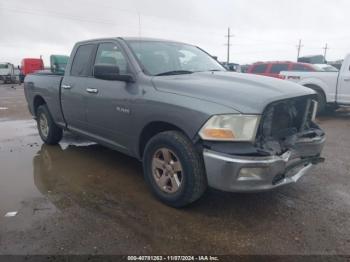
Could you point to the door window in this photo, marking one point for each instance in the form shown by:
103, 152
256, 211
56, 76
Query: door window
82, 61
259, 69
277, 68
111, 54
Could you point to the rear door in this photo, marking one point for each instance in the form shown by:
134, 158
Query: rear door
344, 83
109, 102
73, 87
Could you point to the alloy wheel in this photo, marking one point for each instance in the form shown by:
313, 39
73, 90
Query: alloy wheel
167, 170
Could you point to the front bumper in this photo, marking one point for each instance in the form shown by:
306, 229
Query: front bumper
250, 174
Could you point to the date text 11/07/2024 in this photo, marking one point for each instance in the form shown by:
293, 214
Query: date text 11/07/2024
173, 258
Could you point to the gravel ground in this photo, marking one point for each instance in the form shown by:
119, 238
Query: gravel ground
81, 198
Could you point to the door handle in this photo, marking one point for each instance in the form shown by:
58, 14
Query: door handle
92, 90
66, 86
347, 79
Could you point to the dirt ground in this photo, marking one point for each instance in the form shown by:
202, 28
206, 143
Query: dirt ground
81, 198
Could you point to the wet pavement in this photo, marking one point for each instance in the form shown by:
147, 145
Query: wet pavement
81, 198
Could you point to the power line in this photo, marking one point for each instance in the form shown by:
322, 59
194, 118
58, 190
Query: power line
228, 44
55, 14
59, 15
144, 28
62, 15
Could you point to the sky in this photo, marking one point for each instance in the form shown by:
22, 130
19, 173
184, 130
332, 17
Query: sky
263, 30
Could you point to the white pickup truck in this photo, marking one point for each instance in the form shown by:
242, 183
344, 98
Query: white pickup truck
333, 88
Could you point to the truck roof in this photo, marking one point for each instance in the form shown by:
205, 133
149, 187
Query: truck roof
130, 39
31, 59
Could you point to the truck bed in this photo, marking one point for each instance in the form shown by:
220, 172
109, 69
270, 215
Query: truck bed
325, 80
46, 85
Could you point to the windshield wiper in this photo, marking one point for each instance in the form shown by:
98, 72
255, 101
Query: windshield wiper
216, 70
175, 72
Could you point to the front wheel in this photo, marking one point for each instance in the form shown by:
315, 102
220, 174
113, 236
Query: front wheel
49, 132
174, 169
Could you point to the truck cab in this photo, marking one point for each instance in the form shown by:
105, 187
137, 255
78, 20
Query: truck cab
31, 65
58, 63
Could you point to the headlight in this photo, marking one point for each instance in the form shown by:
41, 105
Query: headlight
230, 128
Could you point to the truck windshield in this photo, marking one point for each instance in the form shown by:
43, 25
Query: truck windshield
4, 66
168, 58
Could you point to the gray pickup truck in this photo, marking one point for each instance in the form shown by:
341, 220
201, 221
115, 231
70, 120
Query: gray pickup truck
175, 108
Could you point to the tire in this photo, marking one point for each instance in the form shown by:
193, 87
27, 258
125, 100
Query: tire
183, 154
50, 133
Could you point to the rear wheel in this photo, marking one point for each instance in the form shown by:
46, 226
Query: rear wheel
174, 169
49, 132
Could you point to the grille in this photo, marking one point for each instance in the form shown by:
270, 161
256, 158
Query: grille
288, 117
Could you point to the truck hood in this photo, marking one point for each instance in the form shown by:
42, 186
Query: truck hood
246, 93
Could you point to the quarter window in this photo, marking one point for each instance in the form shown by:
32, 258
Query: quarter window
82, 61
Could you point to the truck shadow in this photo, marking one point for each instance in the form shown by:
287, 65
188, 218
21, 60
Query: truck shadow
92, 176
342, 113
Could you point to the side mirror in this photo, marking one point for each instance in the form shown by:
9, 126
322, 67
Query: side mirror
110, 72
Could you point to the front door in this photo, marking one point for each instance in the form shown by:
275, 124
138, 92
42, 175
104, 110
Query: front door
344, 82
109, 102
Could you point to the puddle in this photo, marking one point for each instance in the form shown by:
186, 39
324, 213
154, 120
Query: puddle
11, 130
74, 173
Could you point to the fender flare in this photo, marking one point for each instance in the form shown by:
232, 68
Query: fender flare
317, 83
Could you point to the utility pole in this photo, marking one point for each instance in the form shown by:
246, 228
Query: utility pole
228, 44
325, 53
299, 46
